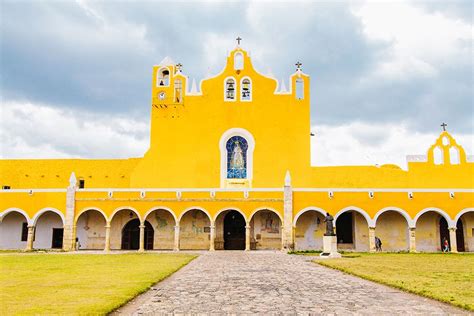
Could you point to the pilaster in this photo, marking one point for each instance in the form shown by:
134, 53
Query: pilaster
287, 231
69, 240
141, 248
30, 238
372, 239
176, 238
212, 236
412, 234
107, 237
452, 237
247, 237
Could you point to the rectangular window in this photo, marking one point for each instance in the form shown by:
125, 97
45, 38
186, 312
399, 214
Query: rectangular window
82, 183
24, 232
6, 187
299, 89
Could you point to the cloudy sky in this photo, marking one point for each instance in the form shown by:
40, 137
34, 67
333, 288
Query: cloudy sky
76, 76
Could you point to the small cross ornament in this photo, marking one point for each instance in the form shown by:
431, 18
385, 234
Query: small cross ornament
179, 66
238, 40
444, 126
298, 65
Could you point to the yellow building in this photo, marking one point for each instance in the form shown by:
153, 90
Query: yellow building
228, 167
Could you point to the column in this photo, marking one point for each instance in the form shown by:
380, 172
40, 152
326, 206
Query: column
412, 236
287, 225
176, 238
69, 236
452, 237
107, 237
212, 237
247, 237
372, 239
142, 238
30, 238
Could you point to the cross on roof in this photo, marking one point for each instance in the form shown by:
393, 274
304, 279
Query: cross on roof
238, 40
298, 65
179, 66
444, 126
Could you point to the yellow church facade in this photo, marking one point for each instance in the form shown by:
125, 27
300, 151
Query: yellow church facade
228, 167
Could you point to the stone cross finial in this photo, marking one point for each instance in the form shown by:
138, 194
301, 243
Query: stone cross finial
238, 39
72, 180
444, 126
298, 65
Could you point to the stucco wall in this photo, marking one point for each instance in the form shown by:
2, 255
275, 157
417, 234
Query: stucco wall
44, 230
266, 230
163, 224
308, 233
193, 227
392, 229
468, 227
118, 222
10, 231
90, 229
427, 232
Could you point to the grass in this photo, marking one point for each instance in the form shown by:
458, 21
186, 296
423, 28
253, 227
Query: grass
445, 277
81, 283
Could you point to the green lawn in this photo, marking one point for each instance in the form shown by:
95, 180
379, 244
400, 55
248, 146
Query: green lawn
445, 277
79, 283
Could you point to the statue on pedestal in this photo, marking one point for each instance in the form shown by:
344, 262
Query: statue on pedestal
329, 225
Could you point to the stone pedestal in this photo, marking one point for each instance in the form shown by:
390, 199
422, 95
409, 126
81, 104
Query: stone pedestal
330, 247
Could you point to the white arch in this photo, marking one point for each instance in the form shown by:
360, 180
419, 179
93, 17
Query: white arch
464, 211
410, 222
266, 209
436, 210
236, 131
307, 209
230, 209
90, 209
194, 208
158, 208
48, 209
370, 221
14, 209
121, 208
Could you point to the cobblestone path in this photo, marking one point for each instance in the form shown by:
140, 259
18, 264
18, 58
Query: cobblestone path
275, 283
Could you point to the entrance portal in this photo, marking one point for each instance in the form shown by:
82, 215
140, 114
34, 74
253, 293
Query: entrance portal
131, 235
443, 232
234, 231
57, 242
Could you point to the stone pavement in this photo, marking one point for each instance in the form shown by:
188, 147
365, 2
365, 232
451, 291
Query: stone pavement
228, 282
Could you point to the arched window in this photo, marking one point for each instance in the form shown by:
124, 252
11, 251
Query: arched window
438, 156
236, 148
299, 89
163, 79
246, 90
238, 61
454, 156
178, 91
230, 89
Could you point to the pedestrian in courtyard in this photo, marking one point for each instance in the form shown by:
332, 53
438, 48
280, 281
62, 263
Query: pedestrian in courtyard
378, 244
78, 244
445, 245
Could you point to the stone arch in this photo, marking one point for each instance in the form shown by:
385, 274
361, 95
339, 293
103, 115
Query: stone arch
465, 223
163, 223
230, 231
369, 220
352, 231
18, 210
117, 221
309, 228
265, 233
393, 228
230, 209
86, 209
13, 233
410, 222
451, 223
49, 230
306, 209
90, 229
48, 209
462, 212
124, 208
194, 229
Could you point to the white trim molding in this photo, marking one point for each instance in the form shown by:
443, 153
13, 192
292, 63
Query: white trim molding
160, 208
123, 208
193, 208
17, 210
263, 208
410, 222
464, 211
436, 210
84, 210
370, 221
48, 209
308, 209
223, 150
230, 209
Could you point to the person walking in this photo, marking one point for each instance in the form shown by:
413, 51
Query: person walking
445, 245
378, 244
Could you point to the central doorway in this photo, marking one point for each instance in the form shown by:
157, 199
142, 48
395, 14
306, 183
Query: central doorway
234, 231
131, 235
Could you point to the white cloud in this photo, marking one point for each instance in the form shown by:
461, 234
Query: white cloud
38, 131
420, 41
371, 144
